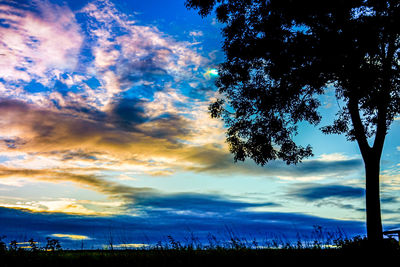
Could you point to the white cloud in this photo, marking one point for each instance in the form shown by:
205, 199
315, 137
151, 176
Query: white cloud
35, 43
45, 46
333, 157
196, 33
132, 56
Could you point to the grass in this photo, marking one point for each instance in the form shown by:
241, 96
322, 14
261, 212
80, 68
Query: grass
325, 249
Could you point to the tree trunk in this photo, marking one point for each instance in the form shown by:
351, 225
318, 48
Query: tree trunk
373, 207
372, 158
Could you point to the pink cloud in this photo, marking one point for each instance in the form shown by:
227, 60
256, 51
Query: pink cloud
44, 45
37, 44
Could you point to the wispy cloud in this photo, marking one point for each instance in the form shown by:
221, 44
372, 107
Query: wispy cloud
312, 192
116, 88
218, 161
38, 41
194, 204
55, 175
134, 55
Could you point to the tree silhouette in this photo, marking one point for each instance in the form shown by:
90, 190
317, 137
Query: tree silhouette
282, 54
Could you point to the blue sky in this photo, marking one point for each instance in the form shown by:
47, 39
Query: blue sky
105, 129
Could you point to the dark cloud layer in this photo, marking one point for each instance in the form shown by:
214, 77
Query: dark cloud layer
127, 113
194, 203
158, 223
154, 216
217, 161
125, 124
126, 128
312, 167
317, 192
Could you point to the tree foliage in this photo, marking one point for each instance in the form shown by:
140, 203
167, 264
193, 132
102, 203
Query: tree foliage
282, 54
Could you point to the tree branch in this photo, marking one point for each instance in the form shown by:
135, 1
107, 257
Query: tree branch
359, 130
384, 97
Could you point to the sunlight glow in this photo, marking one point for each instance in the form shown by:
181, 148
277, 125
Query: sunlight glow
72, 237
211, 73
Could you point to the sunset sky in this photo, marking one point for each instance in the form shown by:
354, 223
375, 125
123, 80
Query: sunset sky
104, 130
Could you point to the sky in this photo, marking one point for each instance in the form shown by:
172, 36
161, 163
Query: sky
105, 135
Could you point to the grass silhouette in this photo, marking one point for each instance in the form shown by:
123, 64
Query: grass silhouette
326, 249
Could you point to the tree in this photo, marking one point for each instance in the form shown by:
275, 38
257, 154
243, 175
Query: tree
281, 55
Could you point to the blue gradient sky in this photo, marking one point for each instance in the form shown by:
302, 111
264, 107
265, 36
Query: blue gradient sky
104, 130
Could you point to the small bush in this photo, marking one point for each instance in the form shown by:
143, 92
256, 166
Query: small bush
34, 245
3, 246
52, 244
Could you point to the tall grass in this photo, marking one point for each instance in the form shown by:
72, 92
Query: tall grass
319, 238
320, 248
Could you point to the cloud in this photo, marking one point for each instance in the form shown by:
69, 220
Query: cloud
23, 126
125, 138
314, 192
120, 98
322, 167
81, 177
196, 33
63, 205
129, 55
38, 40
158, 224
115, 89
132, 198
124, 135
389, 199
194, 204
106, 45
128, 113
390, 179
130, 246
71, 237
218, 161
41, 126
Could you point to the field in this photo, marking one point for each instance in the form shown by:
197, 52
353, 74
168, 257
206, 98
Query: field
355, 252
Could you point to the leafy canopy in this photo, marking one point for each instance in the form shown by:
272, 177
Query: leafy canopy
282, 54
